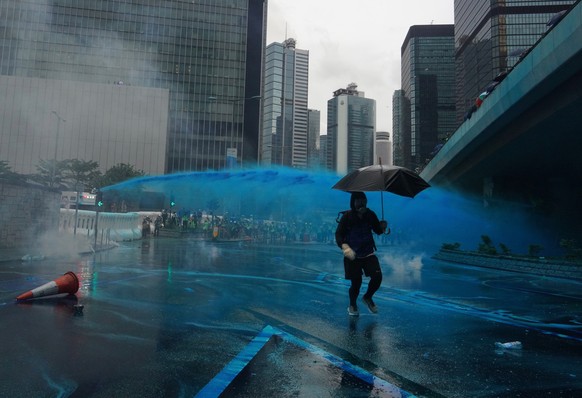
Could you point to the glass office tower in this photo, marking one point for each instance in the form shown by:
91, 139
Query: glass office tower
284, 135
428, 83
400, 127
490, 38
351, 130
207, 53
313, 132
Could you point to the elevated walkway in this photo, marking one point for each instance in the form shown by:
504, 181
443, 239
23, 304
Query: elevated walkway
528, 125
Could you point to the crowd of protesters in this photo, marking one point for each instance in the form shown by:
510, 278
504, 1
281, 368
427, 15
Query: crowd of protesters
230, 228
225, 227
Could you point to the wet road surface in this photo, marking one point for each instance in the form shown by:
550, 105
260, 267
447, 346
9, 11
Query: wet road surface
181, 318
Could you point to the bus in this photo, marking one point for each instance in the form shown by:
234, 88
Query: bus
86, 200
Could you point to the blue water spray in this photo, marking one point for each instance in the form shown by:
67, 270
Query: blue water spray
433, 217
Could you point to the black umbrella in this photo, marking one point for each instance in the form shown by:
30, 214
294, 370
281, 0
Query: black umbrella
395, 179
500, 76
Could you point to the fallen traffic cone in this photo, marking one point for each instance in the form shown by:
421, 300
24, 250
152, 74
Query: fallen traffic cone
68, 283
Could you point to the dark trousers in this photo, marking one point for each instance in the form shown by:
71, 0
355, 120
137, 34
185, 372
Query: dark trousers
370, 266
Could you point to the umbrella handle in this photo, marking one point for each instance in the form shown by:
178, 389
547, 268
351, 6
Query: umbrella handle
387, 232
382, 203
381, 192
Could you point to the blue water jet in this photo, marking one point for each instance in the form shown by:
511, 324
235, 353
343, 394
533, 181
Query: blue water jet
433, 217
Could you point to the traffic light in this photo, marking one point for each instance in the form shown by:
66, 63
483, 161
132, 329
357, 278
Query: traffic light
172, 201
99, 199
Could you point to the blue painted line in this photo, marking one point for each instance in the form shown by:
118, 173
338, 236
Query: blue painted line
376, 382
219, 383
222, 380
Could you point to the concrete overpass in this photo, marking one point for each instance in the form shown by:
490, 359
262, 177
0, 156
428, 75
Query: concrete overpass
524, 144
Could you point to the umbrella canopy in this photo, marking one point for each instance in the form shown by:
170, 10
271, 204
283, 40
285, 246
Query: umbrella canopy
491, 87
398, 180
500, 76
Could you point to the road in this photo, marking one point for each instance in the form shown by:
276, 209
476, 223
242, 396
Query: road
176, 317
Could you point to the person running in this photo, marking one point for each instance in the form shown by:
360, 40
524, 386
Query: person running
354, 236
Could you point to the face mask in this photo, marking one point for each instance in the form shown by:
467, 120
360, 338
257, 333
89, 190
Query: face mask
360, 205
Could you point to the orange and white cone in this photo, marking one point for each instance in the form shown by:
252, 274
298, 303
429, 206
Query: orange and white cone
68, 283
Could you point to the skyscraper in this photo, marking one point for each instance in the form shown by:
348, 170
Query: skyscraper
207, 53
323, 152
53, 120
351, 130
383, 148
400, 128
313, 132
490, 36
428, 76
284, 134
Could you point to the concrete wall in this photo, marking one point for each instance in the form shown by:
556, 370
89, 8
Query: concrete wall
26, 212
535, 266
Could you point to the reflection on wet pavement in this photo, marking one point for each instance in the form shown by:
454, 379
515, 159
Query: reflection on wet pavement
179, 318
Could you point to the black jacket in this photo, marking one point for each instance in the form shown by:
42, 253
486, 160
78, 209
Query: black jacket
357, 232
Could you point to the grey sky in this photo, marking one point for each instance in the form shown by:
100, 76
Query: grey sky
353, 41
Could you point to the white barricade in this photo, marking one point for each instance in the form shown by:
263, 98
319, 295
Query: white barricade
111, 227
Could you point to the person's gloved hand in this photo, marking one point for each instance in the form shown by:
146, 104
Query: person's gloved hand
348, 252
384, 226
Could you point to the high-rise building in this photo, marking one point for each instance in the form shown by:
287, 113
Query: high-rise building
383, 148
491, 36
351, 130
400, 128
207, 54
428, 81
323, 152
54, 120
285, 96
313, 132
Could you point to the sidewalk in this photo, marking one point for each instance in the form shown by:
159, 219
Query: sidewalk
54, 247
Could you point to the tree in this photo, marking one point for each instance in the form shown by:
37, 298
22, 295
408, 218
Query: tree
504, 249
129, 195
51, 173
451, 246
4, 168
487, 246
119, 173
81, 173
572, 247
534, 250
7, 173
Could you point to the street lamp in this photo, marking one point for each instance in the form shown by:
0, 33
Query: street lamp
59, 120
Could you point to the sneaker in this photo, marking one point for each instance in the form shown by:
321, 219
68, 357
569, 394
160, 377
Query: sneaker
353, 311
371, 306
